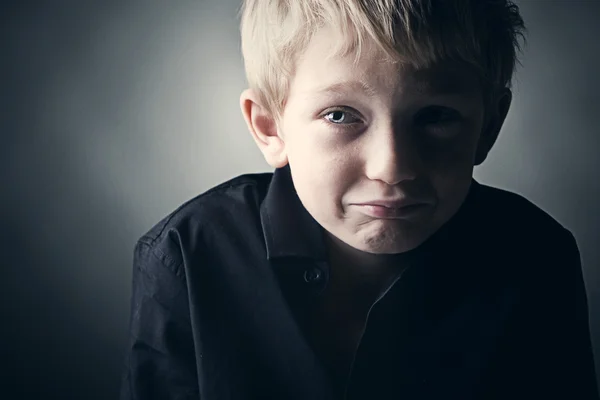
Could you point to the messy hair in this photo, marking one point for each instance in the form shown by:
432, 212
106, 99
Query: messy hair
484, 34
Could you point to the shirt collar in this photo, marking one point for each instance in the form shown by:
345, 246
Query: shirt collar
290, 231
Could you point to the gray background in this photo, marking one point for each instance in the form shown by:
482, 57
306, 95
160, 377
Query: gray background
113, 113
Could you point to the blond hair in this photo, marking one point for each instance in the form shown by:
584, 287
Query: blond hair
481, 33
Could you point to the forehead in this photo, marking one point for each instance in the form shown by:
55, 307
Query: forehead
320, 71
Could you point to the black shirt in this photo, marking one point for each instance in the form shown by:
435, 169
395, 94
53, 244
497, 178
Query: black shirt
493, 306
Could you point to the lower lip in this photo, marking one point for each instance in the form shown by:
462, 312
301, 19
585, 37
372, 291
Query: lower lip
407, 212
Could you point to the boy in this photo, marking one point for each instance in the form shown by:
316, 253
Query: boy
370, 264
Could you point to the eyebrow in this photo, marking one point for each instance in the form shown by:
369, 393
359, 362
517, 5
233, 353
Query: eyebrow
442, 86
344, 87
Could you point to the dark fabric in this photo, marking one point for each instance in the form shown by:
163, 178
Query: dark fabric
493, 306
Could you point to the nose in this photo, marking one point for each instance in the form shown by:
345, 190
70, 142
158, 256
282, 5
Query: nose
392, 157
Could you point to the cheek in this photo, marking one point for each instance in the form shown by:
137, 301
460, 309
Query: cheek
324, 182
450, 171
321, 182
317, 157
321, 167
452, 158
450, 162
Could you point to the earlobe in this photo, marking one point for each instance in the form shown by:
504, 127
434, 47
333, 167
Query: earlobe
494, 122
263, 128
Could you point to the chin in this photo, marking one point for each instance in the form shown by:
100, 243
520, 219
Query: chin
391, 241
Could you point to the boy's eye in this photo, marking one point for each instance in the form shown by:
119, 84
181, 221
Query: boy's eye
436, 115
340, 117
439, 122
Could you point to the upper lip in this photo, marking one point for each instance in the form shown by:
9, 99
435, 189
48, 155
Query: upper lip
392, 203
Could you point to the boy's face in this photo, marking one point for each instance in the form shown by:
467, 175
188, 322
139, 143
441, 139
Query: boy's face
358, 135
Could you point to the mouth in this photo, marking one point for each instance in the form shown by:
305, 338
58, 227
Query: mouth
394, 210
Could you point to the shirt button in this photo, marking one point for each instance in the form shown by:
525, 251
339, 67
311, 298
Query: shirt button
313, 275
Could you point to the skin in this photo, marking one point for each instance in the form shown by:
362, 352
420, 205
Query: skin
381, 131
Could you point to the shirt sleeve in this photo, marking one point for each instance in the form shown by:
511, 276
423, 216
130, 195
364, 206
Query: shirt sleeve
558, 359
160, 360
572, 368
547, 351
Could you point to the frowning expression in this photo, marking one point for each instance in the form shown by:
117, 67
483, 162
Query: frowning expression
381, 155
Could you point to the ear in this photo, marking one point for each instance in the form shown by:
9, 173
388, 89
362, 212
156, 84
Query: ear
494, 121
263, 128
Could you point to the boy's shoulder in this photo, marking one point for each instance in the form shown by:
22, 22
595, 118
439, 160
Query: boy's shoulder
502, 212
221, 205
523, 240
